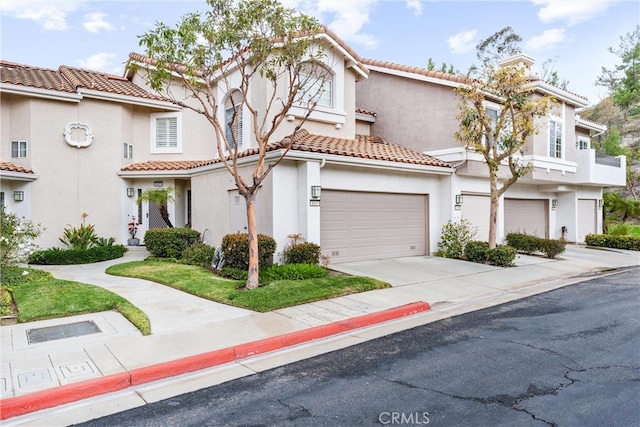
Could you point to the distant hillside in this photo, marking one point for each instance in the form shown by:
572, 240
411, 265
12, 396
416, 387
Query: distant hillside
605, 112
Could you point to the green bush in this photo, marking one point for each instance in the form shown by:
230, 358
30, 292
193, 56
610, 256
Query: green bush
12, 276
169, 242
501, 256
199, 254
454, 238
17, 237
103, 241
476, 251
629, 242
236, 250
292, 272
57, 256
83, 237
532, 244
302, 253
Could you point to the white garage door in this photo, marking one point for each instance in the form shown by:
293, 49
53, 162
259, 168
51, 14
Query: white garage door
586, 218
358, 225
476, 210
526, 216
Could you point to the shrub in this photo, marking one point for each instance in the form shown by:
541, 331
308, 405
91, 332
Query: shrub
103, 241
83, 237
501, 256
236, 250
531, 244
619, 229
169, 242
58, 256
476, 251
13, 276
454, 238
617, 242
292, 272
301, 252
16, 238
199, 254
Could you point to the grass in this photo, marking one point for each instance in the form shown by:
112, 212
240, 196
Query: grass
634, 230
39, 296
277, 294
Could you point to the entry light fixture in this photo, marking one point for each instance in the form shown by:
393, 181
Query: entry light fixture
458, 199
18, 196
130, 192
316, 191
158, 183
554, 204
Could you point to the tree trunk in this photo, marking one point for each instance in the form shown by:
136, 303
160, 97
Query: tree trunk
164, 213
493, 211
252, 231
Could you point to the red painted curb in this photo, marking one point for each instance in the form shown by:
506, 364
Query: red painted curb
14, 406
20, 405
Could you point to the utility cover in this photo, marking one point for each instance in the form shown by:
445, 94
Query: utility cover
58, 332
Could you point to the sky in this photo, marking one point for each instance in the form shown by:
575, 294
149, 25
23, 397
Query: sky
572, 35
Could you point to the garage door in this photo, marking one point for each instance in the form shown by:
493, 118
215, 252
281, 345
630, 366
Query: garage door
526, 216
358, 225
476, 210
586, 218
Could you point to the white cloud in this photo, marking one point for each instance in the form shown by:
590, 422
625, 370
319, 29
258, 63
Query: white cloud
98, 62
345, 18
415, 6
570, 11
49, 15
462, 42
95, 22
547, 40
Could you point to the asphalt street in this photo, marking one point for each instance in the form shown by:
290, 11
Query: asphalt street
569, 357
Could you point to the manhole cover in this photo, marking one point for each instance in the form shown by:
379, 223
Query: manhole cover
58, 332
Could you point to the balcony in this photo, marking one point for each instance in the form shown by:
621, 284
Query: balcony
600, 169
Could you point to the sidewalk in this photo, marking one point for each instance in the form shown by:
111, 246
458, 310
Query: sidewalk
197, 343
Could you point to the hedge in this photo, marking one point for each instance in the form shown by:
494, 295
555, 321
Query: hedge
528, 244
57, 256
169, 242
302, 253
501, 256
629, 242
236, 250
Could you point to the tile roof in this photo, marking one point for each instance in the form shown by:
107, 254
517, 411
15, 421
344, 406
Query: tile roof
416, 70
70, 80
365, 112
11, 167
35, 77
362, 147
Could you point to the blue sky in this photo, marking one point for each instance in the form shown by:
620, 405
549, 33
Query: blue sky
574, 34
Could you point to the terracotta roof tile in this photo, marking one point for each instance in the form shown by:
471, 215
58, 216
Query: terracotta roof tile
11, 167
415, 70
36, 77
365, 112
362, 147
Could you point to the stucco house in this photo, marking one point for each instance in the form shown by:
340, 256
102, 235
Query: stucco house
374, 172
418, 107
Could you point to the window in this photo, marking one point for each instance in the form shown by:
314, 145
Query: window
166, 133
18, 149
1, 199
233, 119
189, 211
555, 139
582, 144
317, 88
128, 151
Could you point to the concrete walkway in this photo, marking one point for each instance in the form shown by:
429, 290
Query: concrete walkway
197, 343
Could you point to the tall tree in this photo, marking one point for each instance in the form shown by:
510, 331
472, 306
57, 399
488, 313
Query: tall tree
623, 81
499, 134
227, 50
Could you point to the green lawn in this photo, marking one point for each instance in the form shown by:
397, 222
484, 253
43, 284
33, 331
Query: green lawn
634, 230
278, 294
38, 296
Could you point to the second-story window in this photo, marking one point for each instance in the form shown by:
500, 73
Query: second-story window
233, 119
555, 139
166, 133
582, 144
128, 151
18, 149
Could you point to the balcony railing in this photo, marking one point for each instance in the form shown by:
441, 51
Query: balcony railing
601, 159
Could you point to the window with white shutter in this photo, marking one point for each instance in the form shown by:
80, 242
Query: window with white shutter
166, 133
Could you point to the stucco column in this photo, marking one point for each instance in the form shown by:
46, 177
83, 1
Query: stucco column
308, 216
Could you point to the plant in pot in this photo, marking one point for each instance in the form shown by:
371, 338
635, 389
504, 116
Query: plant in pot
133, 230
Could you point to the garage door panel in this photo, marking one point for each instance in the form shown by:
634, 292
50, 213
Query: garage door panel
528, 216
586, 218
476, 209
361, 225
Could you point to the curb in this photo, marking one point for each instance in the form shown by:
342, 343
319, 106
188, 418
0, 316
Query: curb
21, 405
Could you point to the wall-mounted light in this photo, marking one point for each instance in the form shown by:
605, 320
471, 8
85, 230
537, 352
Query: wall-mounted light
130, 192
158, 183
18, 196
458, 199
316, 191
600, 202
554, 204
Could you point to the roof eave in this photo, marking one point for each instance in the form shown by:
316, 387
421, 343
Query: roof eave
40, 93
135, 100
18, 176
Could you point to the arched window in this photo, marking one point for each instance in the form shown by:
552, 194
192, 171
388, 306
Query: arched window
233, 119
